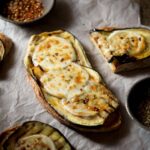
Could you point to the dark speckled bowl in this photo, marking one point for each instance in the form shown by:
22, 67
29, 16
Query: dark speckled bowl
139, 92
48, 5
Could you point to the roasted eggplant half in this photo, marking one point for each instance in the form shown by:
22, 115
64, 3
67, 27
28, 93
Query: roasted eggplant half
124, 49
66, 84
34, 135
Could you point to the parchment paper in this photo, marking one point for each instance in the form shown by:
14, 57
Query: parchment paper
17, 99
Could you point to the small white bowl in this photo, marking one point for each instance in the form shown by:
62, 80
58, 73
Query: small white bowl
47, 4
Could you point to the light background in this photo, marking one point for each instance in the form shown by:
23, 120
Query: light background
17, 99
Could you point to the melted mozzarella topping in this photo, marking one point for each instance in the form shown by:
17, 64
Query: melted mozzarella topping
78, 88
2, 50
126, 42
53, 52
91, 102
65, 82
35, 142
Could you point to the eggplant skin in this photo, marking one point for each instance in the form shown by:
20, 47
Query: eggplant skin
35, 128
4, 135
122, 59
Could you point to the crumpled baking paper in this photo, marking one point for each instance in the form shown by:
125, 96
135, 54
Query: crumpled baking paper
17, 99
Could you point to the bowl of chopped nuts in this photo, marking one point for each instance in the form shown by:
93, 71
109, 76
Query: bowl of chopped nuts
138, 103
24, 11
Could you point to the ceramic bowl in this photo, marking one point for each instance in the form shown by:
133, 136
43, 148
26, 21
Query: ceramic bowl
138, 93
48, 5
